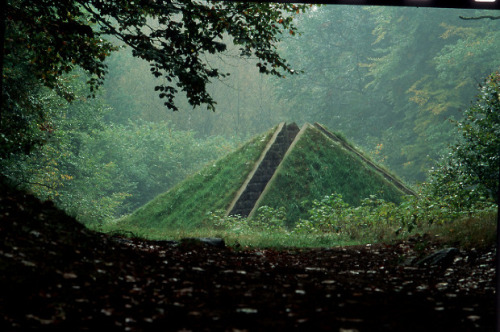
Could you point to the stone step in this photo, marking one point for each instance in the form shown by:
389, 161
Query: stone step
264, 171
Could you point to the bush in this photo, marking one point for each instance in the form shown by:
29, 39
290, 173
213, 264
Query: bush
468, 176
267, 219
333, 215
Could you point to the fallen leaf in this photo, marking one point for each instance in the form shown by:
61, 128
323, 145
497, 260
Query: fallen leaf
69, 275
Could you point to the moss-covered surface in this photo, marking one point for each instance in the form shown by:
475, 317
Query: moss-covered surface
318, 166
211, 189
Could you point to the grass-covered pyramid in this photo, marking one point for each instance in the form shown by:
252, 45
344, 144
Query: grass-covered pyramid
283, 167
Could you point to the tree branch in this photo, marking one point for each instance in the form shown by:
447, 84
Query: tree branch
481, 17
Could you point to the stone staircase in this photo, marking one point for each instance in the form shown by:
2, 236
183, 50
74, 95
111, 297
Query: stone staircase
257, 180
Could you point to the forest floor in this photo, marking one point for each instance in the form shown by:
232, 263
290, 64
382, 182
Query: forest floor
58, 275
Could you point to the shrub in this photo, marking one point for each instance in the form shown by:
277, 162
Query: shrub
468, 175
267, 219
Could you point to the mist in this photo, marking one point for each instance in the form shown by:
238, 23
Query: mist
388, 79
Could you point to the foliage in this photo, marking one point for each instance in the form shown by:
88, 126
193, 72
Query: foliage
246, 105
45, 40
267, 219
334, 40
388, 82
468, 175
328, 213
315, 166
388, 77
393, 97
153, 157
61, 169
233, 223
97, 172
332, 222
455, 204
480, 129
173, 36
374, 218
475, 231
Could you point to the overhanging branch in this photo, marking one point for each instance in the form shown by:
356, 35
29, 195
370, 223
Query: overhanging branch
480, 17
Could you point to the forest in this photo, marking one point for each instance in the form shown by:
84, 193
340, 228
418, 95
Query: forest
110, 108
396, 87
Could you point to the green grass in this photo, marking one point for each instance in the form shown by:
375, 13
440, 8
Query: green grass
211, 189
478, 231
366, 156
316, 167
235, 239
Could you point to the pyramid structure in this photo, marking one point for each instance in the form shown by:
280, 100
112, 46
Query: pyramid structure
286, 166
313, 165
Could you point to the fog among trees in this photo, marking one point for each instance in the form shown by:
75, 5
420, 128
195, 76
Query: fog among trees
391, 80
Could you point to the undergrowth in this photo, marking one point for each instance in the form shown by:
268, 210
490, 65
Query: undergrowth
250, 238
333, 222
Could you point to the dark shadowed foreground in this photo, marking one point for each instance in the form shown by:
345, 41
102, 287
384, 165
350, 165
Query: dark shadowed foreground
55, 274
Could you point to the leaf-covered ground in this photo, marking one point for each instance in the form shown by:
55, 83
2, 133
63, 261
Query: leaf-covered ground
57, 275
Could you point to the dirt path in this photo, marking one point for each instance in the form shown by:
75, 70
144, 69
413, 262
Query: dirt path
57, 275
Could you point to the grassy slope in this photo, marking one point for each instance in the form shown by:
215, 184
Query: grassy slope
381, 167
316, 167
211, 189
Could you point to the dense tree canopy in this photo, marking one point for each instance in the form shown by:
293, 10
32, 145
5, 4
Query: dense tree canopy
390, 78
47, 39
56, 56
472, 166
